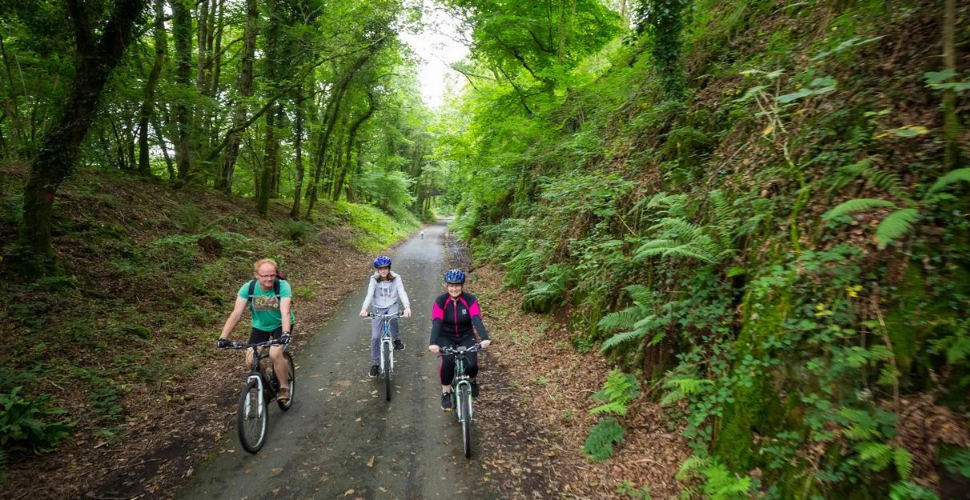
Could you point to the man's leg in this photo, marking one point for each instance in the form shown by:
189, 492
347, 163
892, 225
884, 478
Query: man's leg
280, 366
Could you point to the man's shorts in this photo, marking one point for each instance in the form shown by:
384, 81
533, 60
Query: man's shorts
259, 336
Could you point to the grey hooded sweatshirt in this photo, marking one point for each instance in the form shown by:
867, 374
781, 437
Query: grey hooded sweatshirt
384, 294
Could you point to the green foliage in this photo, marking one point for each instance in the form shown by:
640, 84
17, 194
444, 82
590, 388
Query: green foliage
602, 437
717, 482
300, 231
630, 490
26, 423
617, 392
895, 225
857, 205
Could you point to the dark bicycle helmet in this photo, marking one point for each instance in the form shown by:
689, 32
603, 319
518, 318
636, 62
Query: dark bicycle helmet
455, 276
382, 261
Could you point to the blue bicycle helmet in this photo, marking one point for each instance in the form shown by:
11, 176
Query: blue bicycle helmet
382, 261
455, 276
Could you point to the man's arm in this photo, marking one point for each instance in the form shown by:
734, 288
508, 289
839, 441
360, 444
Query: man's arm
233, 320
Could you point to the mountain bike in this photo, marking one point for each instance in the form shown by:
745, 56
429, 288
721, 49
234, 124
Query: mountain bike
261, 389
461, 391
387, 349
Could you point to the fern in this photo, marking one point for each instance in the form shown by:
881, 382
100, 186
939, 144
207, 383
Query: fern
602, 437
690, 466
895, 225
682, 386
878, 455
622, 338
951, 177
956, 346
886, 181
858, 205
618, 390
903, 461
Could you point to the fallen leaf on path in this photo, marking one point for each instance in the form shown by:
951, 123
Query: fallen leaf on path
370, 463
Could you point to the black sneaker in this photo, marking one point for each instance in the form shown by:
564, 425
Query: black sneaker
446, 402
374, 371
398, 345
474, 389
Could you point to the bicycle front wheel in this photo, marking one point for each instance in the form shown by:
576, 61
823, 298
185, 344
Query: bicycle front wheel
251, 419
291, 382
386, 354
465, 400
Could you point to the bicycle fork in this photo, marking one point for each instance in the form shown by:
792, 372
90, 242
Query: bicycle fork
262, 405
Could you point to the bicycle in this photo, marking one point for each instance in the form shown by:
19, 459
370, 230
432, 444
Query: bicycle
261, 389
387, 349
461, 391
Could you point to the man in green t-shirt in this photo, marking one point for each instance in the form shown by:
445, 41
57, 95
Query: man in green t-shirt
272, 317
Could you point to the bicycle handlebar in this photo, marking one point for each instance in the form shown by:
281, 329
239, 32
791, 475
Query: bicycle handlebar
244, 345
373, 316
448, 350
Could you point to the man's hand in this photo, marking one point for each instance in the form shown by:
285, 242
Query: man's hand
486, 343
407, 312
363, 313
285, 338
223, 343
434, 349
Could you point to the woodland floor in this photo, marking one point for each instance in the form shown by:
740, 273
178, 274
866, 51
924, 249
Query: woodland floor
535, 419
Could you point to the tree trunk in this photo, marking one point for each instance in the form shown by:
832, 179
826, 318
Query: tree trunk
351, 136
274, 115
951, 122
11, 108
148, 106
182, 33
245, 86
96, 59
298, 146
330, 115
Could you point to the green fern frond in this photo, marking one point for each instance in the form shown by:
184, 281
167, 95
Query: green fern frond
693, 464
640, 294
858, 205
613, 408
621, 338
691, 252
895, 225
879, 455
951, 177
620, 319
903, 461
653, 248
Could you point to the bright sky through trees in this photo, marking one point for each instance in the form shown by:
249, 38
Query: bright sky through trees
437, 45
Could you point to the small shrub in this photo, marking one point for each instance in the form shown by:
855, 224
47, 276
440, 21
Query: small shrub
299, 231
22, 423
602, 437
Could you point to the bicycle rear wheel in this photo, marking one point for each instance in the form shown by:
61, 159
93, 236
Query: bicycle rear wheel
386, 355
465, 400
251, 419
291, 382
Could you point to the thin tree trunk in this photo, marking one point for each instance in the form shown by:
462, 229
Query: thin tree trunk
148, 106
11, 106
273, 116
182, 32
351, 137
162, 143
245, 86
298, 146
951, 122
96, 59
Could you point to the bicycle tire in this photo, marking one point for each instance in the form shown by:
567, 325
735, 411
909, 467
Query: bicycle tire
251, 419
386, 353
465, 400
291, 381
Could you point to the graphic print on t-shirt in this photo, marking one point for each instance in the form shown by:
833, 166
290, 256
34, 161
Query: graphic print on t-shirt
265, 303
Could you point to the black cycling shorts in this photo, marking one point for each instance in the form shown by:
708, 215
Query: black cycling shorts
259, 336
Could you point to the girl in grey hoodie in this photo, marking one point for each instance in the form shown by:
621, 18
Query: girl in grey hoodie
383, 291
